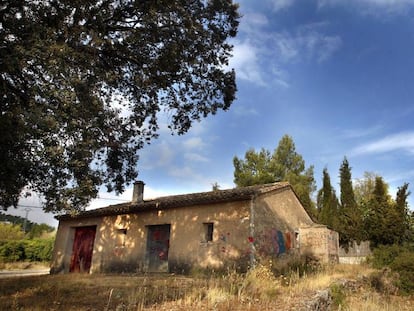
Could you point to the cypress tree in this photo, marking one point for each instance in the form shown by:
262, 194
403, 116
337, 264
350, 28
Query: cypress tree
327, 203
350, 219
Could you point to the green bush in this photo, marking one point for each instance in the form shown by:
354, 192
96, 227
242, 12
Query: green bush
384, 255
39, 249
400, 259
404, 265
12, 251
31, 250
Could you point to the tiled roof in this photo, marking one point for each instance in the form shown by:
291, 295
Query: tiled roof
201, 198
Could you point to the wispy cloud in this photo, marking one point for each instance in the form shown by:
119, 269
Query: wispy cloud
372, 7
281, 4
401, 141
261, 55
305, 44
242, 110
195, 157
359, 133
194, 143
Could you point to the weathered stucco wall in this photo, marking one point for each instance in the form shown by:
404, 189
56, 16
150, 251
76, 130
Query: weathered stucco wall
320, 242
277, 218
121, 241
62, 250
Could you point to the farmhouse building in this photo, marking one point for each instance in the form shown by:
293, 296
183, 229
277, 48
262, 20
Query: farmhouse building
216, 229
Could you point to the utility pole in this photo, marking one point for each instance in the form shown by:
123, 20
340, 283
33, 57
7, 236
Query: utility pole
27, 210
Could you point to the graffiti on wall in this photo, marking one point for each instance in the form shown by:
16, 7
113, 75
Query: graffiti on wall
273, 242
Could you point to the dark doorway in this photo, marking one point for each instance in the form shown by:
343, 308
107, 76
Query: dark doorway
158, 244
82, 249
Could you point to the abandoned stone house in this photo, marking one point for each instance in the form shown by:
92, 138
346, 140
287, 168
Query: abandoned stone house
217, 229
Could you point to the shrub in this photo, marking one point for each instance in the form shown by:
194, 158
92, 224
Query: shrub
39, 249
384, 255
32, 250
12, 251
398, 258
404, 265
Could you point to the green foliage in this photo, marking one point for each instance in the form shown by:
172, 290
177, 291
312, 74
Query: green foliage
12, 251
83, 83
327, 203
350, 224
39, 249
384, 255
382, 223
404, 265
400, 258
338, 295
10, 232
34, 230
285, 164
30, 250
37, 230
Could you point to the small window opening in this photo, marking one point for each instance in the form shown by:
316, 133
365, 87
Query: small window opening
120, 237
208, 231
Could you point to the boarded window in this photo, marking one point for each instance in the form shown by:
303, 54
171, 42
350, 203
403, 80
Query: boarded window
208, 231
120, 237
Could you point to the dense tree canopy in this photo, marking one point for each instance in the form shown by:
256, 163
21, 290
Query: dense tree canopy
82, 84
285, 164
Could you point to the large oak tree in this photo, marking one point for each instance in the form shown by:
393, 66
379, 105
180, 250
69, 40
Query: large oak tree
83, 82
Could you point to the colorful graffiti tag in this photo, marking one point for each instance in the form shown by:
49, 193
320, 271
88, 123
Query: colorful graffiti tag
273, 242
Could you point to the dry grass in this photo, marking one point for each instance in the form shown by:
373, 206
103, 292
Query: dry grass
257, 290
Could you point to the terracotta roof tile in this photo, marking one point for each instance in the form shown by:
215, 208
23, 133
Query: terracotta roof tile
200, 198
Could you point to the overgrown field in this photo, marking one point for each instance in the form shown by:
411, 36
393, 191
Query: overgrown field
350, 287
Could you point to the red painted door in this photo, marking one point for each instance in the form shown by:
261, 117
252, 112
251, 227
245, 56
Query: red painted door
158, 245
82, 249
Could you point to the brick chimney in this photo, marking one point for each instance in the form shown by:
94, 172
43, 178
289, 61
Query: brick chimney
138, 192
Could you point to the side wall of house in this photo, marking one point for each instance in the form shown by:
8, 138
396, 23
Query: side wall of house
320, 242
62, 251
278, 215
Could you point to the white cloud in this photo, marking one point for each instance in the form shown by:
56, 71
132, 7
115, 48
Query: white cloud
194, 143
195, 157
401, 141
372, 7
358, 133
245, 61
305, 44
242, 110
261, 55
281, 4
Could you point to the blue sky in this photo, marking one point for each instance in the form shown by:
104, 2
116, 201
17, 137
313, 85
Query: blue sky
336, 75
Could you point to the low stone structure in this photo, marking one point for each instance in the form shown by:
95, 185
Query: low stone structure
214, 230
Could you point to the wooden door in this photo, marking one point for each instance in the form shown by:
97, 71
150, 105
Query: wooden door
158, 244
82, 249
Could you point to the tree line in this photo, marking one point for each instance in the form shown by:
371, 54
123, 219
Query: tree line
36, 244
364, 209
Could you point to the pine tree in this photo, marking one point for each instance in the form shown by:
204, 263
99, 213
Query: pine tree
285, 164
